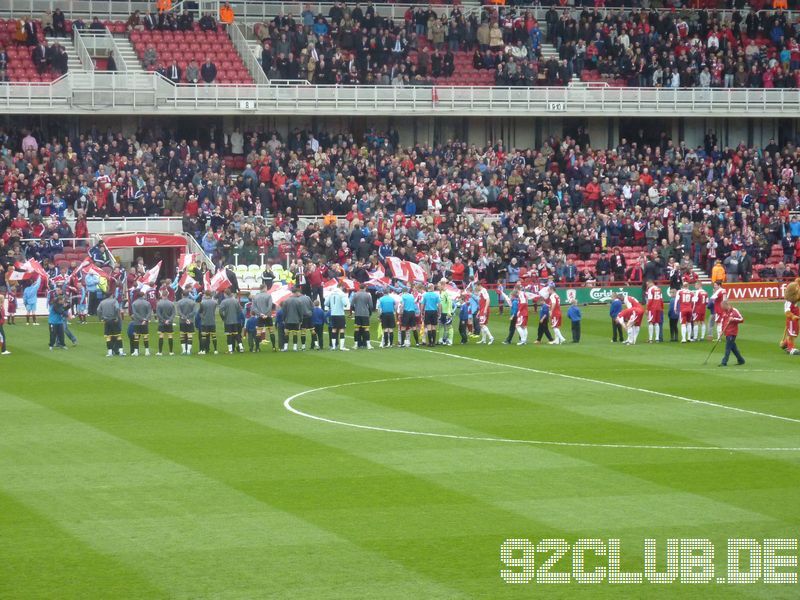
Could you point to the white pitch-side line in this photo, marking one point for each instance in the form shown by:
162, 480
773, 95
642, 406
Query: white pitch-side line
616, 385
288, 406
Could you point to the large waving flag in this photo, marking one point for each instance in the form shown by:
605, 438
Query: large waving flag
220, 281
405, 270
87, 266
150, 278
28, 270
186, 279
279, 293
185, 261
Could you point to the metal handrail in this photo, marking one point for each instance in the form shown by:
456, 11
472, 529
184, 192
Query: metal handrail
120, 92
242, 46
82, 50
249, 10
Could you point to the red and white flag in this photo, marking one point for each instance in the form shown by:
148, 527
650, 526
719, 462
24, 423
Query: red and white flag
185, 261
87, 266
150, 278
452, 291
279, 293
186, 279
28, 270
405, 270
219, 282
396, 266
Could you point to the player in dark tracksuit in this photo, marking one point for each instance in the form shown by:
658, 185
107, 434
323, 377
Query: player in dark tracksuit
362, 308
187, 311
208, 323
141, 314
261, 307
229, 310
165, 312
109, 313
306, 325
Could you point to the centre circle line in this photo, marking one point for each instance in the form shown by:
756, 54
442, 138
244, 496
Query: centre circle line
287, 403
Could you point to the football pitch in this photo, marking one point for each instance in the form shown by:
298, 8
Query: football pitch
395, 473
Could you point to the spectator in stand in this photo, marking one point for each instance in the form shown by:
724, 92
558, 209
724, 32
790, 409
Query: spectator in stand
207, 23
226, 14
192, 72
173, 72
96, 25
40, 57
111, 63
59, 23
135, 22
150, 57
208, 71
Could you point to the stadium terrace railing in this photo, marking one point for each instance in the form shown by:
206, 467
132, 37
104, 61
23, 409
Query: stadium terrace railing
253, 10
108, 225
68, 242
113, 10
117, 93
260, 10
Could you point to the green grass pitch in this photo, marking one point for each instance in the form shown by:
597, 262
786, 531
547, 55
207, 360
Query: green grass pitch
186, 477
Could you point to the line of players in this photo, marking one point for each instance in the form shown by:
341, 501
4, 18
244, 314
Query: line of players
687, 308
416, 310
425, 314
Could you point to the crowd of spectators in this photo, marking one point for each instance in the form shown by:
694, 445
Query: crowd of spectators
353, 45
562, 209
630, 46
691, 48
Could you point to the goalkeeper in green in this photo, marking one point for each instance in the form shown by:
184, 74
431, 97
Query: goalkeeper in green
446, 317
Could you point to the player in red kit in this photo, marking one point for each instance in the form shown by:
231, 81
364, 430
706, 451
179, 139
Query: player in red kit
655, 313
631, 318
3, 349
718, 296
699, 313
12, 304
522, 317
555, 315
792, 326
483, 315
685, 309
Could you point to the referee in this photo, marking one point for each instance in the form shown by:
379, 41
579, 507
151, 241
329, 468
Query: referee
387, 308
432, 305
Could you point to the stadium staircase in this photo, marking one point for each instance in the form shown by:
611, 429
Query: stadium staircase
73, 61
125, 50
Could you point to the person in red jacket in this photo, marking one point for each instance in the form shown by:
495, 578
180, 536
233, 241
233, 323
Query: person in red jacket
731, 318
3, 349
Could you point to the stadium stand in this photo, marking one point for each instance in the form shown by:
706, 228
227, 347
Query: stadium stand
564, 209
197, 45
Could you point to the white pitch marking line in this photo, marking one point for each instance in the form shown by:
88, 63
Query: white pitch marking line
616, 385
288, 406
